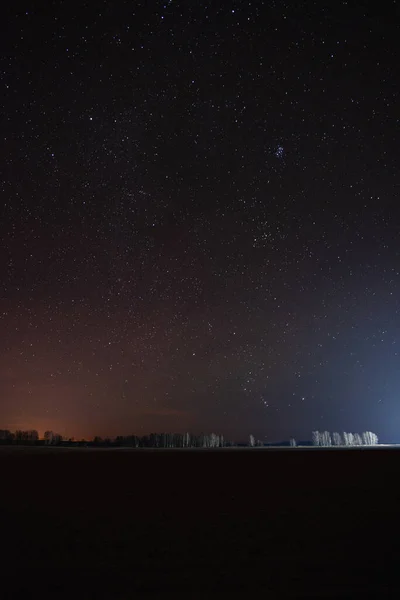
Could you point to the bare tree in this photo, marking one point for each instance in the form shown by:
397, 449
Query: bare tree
316, 438
293, 442
348, 439
252, 441
6, 435
31, 435
51, 438
326, 439
369, 438
357, 439
214, 440
336, 439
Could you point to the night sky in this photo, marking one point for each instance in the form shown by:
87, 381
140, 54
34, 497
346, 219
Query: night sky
199, 218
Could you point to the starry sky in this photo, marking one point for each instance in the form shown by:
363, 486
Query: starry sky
199, 217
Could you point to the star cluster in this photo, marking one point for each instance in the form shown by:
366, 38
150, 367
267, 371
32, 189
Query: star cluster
199, 218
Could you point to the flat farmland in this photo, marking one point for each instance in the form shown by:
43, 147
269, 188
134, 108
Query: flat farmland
118, 523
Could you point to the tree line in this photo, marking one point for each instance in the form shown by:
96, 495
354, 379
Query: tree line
30, 435
166, 440
180, 440
153, 440
325, 438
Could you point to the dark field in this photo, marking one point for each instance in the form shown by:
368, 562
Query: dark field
200, 524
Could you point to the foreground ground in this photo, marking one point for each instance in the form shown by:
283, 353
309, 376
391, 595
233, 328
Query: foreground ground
211, 524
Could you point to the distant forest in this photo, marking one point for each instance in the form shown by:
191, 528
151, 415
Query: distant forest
181, 440
153, 440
